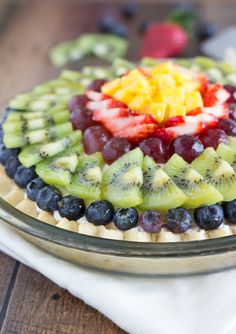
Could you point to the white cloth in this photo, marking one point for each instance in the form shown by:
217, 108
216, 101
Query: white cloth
202, 304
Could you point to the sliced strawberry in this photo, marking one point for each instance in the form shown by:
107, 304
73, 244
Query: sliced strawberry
122, 123
219, 111
101, 114
215, 94
168, 134
105, 104
207, 120
137, 133
195, 111
172, 121
96, 96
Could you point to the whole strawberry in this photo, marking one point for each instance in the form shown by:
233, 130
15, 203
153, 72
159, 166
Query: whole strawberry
162, 40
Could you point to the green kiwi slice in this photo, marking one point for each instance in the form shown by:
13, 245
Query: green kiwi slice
228, 154
37, 136
217, 172
159, 192
123, 179
232, 143
197, 190
87, 178
32, 154
58, 169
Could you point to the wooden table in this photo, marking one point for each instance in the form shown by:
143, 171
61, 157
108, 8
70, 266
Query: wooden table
29, 303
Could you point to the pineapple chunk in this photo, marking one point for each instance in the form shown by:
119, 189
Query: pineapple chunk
193, 100
167, 67
163, 80
175, 110
173, 95
111, 87
157, 110
123, 95
140, 103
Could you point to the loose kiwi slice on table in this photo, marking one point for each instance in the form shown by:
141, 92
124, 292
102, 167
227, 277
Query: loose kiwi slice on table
123, 179
228, 154
32, 154
87, 178
37, 136
217, 172
159, 192
197, 190
58, 169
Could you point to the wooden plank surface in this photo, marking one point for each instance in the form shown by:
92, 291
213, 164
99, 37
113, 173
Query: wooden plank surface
29, 303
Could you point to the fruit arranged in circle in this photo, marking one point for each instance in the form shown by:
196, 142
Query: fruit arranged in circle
149, 148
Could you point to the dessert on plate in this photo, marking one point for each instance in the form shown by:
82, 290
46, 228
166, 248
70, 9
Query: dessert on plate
141, 152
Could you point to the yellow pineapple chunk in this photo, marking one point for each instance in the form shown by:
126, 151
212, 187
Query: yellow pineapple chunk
167, 67
173, 95
123, 95
163, 80
175, 110
140, 103
193, 100
157, 110
111, 87
133, 76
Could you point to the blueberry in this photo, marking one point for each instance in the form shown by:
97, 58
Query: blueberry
6, 113
106, 24
125, 219
209, 217
1, 137
206, 30
129, 10
179, 220
230, 211
11, 166
47, 198
24, 176
144, 25
151, 221
71, 207
6, 153
33, 187
120, 30
100, 213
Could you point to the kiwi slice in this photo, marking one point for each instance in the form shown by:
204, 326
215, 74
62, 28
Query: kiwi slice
32, 154
228, 154
87, 178
158, 191
232, 143
58, 169
35, 123
123, 179
37, 136
121, 66
194, 186
217, 172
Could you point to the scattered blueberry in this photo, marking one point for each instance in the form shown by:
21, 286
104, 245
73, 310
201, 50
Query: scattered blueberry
24, 175
6, 153
151, 221
129, 10
11, 166
144, 25
47, 198
206, 30
33, 187
209, 217
125, 219
106, 23
71, 207
230, 211
120, 30
100, 212
179, 220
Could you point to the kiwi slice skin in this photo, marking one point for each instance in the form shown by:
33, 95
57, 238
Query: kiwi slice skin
123, 179
217, 172
58, 169
158, 191
32, 154
194, 186
87, 178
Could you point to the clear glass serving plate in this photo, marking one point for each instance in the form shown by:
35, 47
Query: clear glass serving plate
142, 258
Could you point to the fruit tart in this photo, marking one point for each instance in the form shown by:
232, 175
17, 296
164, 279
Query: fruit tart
138, 152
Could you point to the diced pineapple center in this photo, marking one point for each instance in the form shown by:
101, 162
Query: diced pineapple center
164, 91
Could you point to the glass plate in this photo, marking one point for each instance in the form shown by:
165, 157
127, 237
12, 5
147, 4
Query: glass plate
142, 258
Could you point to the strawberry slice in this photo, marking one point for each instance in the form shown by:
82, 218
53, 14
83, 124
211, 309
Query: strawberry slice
137, 133
215, 94
102, 114
96, 96
219, 110
207, 120
122, 123
105, 104
168, 134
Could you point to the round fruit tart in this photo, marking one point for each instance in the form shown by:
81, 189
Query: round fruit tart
141, 152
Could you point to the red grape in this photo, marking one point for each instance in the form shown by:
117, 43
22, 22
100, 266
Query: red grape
155, 148
96, 85
232, 111
213, 137
232, 91
78, 101
115, 148
82, 119
228, 125
95, 138
188, 147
